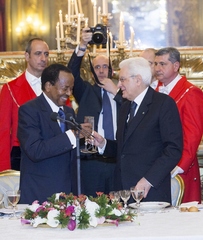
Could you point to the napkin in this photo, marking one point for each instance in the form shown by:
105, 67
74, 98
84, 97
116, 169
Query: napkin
189, 204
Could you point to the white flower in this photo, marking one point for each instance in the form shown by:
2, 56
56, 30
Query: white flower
51, 218
34, 206
38, 220
91, 208
116, 212
57, 196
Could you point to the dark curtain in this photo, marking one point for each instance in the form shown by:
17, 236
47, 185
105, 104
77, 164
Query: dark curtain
2, 26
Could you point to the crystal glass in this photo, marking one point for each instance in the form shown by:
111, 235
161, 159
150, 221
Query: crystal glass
89, 148
114, 196
1, 199
138, 195
13, 198
125, 195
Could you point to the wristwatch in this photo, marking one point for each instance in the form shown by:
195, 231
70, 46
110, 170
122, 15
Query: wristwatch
82, 49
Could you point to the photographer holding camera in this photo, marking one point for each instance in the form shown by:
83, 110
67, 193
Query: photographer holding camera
97, 171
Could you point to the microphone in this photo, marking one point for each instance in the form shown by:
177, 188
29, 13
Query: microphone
54, 117
70, 119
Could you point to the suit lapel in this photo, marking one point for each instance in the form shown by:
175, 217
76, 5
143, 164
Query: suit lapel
46, 111
142, 111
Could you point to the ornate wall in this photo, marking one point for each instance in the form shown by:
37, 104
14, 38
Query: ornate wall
13, 63
184, 22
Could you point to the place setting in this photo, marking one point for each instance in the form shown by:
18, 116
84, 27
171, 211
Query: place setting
9, 207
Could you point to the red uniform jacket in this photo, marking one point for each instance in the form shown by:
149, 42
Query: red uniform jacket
189, 100
12, 96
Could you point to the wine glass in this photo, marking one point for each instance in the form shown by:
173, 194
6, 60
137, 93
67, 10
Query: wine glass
92, 149
114, 196
13, 198
125, 195
1, 201
138, 195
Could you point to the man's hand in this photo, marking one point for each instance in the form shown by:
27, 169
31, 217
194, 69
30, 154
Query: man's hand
86, 37
143, 184
86, 130
99, 141
109, 86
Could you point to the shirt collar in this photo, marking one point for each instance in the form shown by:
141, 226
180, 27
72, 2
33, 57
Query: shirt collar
171, 85
53, 106
32, 80
140, 97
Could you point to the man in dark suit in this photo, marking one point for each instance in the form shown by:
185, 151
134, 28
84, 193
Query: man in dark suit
150, 144
96, 170
47, 152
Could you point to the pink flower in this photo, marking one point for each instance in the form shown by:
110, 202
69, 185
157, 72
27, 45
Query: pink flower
69, 210
24, 221
39, 209
71, 225
112, 221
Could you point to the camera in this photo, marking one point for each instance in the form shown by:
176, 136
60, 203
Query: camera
99, 34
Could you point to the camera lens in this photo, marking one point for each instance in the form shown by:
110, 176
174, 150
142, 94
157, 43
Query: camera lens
98, 37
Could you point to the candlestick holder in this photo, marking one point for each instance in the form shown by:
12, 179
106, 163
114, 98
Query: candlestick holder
63, 44
105, 19
61, 57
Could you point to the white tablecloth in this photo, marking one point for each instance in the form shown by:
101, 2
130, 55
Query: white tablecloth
169, 225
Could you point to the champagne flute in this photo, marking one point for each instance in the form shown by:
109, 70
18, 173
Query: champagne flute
89, 119
138, 195
13, 198
125, 195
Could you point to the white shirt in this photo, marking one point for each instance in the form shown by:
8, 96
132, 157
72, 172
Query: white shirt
55, 108
167, 89
35, 83
154, 84
139, 99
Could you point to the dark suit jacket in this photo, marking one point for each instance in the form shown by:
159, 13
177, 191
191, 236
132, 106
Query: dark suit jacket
87, 96
46, 152
150, 147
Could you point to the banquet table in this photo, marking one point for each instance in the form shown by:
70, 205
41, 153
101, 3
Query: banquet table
168, 224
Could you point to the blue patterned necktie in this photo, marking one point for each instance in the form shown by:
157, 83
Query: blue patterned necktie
132, 111
107, 117
62, 124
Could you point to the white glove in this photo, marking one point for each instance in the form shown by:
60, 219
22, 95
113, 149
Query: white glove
176, 171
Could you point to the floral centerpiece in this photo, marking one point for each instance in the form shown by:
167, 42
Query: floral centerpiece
76, 212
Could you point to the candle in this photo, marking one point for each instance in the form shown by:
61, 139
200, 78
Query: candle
76, 7
105, 7
99, 15
86, 22
78, 30
80, 6
132, 35
94, 13
69, 10
61, 24
121, 30
72, 9
58, 38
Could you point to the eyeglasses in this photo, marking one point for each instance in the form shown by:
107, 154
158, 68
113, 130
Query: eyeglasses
98, 67
122, 79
